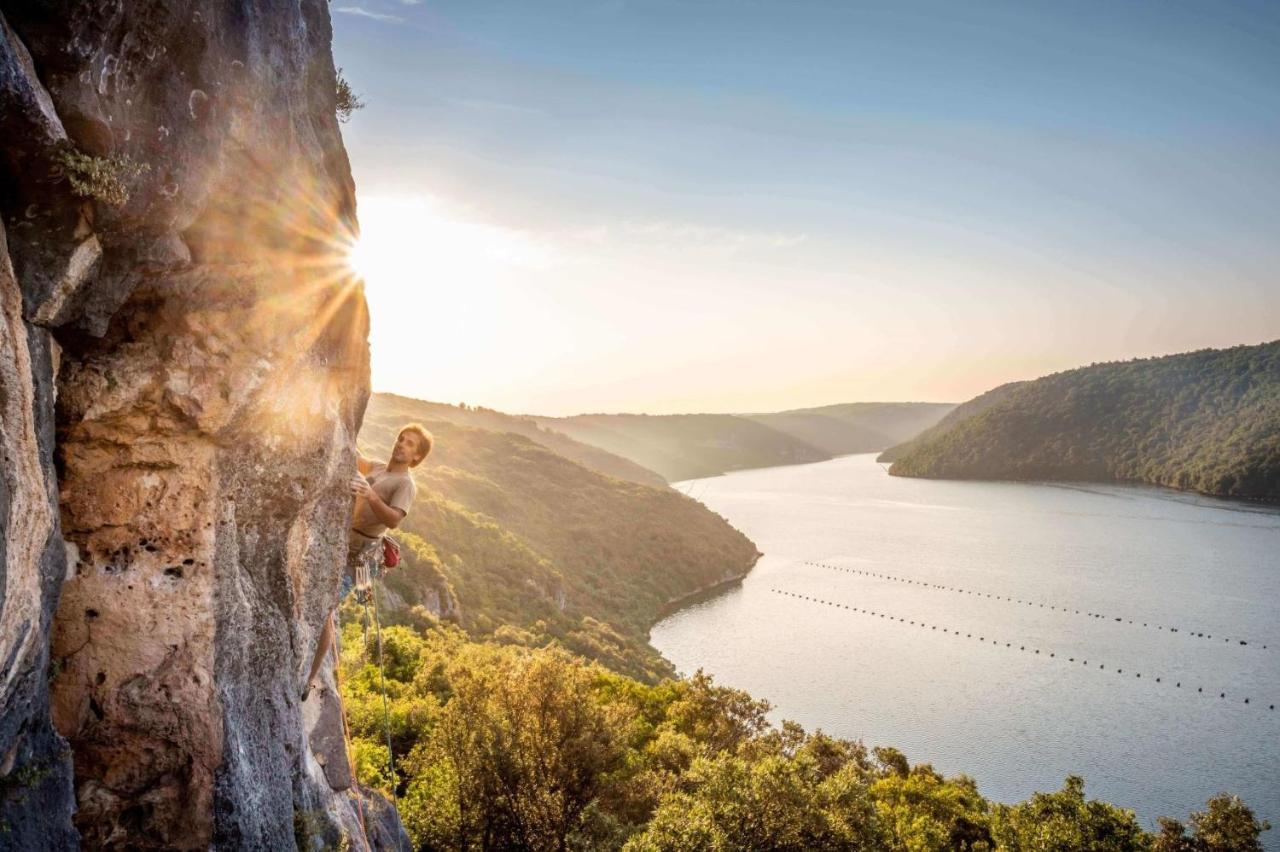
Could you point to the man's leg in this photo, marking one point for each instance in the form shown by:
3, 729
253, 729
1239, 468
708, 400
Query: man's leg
322, 650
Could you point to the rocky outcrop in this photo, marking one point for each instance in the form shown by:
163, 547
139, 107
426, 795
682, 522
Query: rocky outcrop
35, 764
177, 202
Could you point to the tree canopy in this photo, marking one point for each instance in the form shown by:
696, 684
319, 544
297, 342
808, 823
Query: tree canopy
507, 747
1206, 421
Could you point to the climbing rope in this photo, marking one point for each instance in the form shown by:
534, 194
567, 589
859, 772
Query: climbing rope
1056, 607
984, 639
366, 591
382, 685
346, 731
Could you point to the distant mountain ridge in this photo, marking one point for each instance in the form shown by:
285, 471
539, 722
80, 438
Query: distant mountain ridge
689, 446
1205, 421
653, 449
585, 454
856, 427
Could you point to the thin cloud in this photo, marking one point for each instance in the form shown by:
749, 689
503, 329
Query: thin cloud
361, 12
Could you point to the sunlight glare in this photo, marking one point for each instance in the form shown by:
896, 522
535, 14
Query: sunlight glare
432, 275
410, 242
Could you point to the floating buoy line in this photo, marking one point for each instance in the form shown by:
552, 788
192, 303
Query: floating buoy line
1113, 619
1021, 647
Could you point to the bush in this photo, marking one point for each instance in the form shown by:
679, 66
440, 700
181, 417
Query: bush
346, 101
104, 179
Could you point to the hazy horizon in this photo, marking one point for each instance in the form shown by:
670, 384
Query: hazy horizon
815, 405
744, 412
725, 207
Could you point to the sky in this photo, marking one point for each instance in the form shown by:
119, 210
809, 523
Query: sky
746, 205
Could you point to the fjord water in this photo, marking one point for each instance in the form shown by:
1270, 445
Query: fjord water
944, 692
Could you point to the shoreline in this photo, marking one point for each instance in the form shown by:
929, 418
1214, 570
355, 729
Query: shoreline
1120, 483
700, 594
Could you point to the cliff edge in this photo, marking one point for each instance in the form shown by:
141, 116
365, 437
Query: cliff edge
183, 370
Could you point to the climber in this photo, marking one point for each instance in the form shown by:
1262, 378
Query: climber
383, 493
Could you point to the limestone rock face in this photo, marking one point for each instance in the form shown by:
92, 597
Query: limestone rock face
177, 203
35, 764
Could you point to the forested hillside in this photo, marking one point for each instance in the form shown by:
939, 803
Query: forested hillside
540, 718
499, 746
856, 427
508, 535
959, 413
1206, 421
383, 405
652, 450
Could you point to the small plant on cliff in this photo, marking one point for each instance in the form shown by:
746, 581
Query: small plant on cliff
346, 101
104, 179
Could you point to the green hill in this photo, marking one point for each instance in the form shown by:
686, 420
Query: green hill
654, 449
507, 534
601, 461
1206, 421
977, 405
856, 427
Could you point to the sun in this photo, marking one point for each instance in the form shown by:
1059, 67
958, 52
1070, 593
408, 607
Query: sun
439, 281
360, 259
406, 242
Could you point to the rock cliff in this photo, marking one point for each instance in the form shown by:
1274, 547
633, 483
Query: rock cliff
183, 370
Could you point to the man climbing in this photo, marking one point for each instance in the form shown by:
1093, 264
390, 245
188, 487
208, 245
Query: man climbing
384, 491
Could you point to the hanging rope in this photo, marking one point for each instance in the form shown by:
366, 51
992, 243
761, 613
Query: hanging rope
346, 731
382, 684
366, 591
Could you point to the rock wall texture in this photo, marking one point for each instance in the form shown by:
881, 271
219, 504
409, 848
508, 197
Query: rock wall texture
177, 201
35, 764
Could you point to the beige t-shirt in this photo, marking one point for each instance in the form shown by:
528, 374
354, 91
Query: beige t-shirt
395, 489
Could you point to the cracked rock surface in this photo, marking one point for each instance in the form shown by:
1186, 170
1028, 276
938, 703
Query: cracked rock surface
183, 370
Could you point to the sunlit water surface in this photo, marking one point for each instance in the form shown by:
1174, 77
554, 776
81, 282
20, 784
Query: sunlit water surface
1015, 720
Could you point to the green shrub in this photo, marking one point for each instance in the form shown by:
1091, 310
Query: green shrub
346, 100
104, 179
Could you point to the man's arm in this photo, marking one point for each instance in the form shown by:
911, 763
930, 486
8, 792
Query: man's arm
389, 515
363, 464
